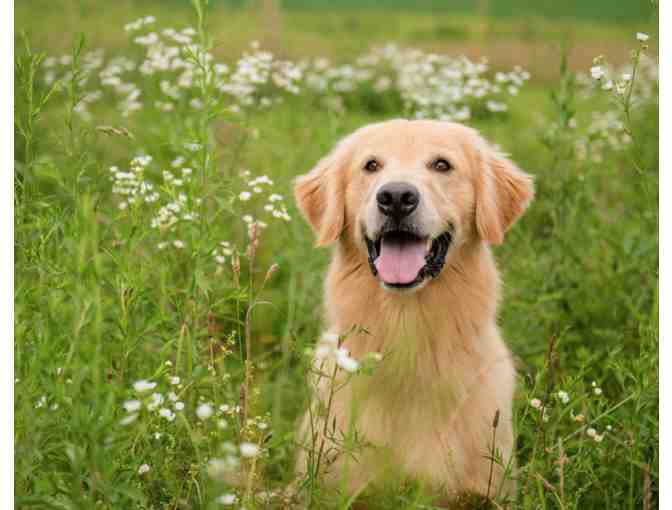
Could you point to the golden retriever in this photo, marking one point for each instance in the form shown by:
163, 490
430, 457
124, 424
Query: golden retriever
411, 208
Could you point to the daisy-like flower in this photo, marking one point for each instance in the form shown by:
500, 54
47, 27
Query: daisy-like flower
249, 450
143, 385
597, 72
245, 196
167, 414
156, 401
642, 37
563, 396
132, 406
179, 406
178, 244
536, 403
597, 391
175, 380
227, 499
344, 360
204, 411
143, 469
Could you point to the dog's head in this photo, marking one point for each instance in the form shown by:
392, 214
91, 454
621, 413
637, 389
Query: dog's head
407, 194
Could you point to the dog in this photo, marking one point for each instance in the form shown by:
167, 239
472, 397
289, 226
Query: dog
411, 208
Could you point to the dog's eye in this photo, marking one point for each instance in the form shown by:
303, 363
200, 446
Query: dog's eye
372, 165
441, 165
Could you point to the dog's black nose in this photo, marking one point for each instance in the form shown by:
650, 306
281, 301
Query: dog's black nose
397, 199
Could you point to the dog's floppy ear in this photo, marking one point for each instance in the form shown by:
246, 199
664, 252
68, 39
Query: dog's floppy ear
320, 195
503, 192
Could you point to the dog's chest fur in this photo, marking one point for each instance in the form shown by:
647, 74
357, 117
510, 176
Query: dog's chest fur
427, 407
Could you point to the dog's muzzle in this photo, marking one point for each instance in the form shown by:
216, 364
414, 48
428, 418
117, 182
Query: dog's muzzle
402, 259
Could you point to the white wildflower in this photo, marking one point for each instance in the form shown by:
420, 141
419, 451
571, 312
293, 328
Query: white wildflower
204, 411
344, 360
248, 450
166, 413
156, 401
597, 72
227, 499
642, 37
143, 469
143, 385
132, 406
536, 403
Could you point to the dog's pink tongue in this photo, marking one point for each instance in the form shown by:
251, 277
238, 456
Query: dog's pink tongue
400, 262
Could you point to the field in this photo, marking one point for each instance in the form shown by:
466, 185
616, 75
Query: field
167, 295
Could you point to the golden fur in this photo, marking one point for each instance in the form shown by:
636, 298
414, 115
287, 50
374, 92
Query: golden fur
428, 408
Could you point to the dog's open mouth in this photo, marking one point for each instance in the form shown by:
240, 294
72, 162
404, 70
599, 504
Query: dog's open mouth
403, 260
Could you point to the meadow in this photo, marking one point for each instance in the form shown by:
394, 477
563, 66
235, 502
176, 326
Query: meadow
167, 291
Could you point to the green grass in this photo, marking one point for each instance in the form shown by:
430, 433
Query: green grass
98, 306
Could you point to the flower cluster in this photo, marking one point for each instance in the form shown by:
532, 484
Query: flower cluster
163, 406
157, 404
564, 398
328, 348
61, 69
261, 189
173, 63
607, 131
430, 85
131, 185
221, 253
259, 79
618, 81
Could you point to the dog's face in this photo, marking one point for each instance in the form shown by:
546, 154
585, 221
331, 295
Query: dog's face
406, 194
